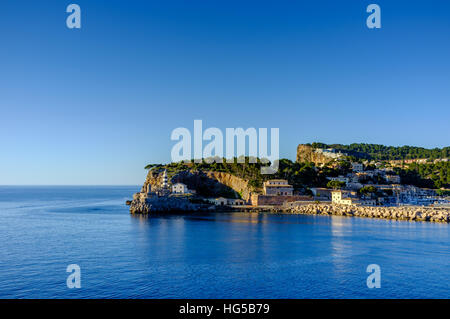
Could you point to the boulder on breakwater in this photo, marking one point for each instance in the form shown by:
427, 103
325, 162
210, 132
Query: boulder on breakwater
411, 213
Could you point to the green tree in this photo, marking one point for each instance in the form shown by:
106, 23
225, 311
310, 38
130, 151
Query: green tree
367, 190
335, 184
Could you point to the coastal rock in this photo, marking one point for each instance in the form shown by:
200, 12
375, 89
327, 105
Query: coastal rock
161, 204
212, 182
306, 153
432, 214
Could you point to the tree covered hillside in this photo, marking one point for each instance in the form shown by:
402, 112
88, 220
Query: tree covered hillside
301, 175
382, 152
427, 175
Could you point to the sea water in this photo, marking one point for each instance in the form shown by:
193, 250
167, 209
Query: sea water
217, 255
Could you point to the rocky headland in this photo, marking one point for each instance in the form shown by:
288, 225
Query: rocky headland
166, 204
207, 183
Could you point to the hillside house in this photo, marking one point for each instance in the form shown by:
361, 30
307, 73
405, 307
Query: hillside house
278, 187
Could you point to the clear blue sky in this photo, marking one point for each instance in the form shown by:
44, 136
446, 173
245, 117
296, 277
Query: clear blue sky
94, 106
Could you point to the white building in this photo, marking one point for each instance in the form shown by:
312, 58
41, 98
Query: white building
342, 198
354, 185
180, 188
220, 201
164, 183
349, 198
339, 179
394, 179
357, 167
329, 152
235, 202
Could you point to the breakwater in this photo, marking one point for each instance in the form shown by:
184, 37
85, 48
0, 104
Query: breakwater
144, 203
410, 213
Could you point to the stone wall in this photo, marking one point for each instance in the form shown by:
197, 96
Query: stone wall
411, 213
277, 200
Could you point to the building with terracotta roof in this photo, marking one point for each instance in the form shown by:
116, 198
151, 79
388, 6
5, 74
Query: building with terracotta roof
278, 187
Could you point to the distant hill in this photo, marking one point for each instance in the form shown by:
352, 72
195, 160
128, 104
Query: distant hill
420, 168
382, 152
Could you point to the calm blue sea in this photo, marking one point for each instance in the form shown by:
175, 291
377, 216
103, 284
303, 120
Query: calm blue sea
221, 255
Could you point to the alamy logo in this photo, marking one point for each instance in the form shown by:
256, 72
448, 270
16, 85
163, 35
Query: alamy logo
374, 279
374, 20
74, 279
74, 19
214, 151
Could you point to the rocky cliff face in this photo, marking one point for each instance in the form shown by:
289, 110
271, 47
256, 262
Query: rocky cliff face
154, 178
206, 183
237, 184
306, 153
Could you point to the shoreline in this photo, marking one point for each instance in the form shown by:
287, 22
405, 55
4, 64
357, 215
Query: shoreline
405, 213
168, 205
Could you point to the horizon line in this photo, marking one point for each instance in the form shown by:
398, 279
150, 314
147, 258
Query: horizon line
93, 185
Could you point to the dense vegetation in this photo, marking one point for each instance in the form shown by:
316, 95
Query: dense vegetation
305, 175
382, 152
300, 175
429, 175
335, 184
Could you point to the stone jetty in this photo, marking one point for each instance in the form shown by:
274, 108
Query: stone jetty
410, 213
